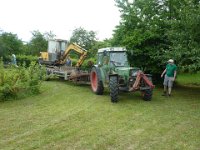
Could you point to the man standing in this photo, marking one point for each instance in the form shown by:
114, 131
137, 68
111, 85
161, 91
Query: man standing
170, 76
14, 62
69, 61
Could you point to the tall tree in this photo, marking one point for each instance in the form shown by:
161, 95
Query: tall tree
84, 38
10, 44
142, 32
49, 35
185, 35
156, 30
37, 43
99, 44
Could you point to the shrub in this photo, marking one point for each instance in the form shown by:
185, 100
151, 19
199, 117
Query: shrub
15, 81
87, 64
27, 59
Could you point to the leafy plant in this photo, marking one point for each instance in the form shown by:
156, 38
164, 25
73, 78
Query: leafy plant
15, 81
154, 31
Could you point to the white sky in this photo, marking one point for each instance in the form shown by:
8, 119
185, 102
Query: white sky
60, 16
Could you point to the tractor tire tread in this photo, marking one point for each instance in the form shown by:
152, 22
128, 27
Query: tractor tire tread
147, 95
114, 91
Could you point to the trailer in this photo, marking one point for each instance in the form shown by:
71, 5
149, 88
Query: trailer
58, 62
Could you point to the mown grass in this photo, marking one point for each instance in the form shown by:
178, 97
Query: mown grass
188, 79
67, 116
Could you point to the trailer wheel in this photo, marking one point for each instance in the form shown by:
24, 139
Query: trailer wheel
96, 83
147, 95
114, 90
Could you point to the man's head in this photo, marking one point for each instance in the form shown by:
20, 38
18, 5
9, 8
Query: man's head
170, 61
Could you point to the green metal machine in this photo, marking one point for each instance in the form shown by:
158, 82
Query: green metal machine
113, 71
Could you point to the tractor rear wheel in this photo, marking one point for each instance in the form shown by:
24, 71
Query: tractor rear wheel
96, 83
147, 95
114, 90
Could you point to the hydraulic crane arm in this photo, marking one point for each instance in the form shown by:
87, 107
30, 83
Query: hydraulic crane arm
141, 76
77, 49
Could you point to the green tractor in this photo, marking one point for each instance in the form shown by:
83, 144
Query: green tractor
113, 70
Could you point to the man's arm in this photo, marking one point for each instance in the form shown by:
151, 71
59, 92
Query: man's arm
174, 75
163, 73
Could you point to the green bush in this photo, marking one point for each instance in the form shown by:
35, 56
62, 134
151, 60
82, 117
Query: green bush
27, 59
7, 59
87, 64
74, 62
17, 81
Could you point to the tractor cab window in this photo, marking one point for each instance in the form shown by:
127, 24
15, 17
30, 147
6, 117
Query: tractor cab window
103, 58
119, 58
100, 58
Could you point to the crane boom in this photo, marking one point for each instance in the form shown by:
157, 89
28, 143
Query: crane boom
77, 49
58, 51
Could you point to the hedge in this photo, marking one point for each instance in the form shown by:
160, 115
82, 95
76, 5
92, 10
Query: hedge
27, 59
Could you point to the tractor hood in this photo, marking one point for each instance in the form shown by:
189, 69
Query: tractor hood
123, 71
126, 71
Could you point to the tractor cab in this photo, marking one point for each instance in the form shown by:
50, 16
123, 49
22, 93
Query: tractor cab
112, 57
55, 50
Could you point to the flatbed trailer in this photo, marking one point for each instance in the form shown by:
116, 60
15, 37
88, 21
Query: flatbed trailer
68, 73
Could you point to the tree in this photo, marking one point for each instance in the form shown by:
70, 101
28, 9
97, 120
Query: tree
156, 30
49, 35
37, 43
142, 32
185, 35
99, 44
84, 38
10, 44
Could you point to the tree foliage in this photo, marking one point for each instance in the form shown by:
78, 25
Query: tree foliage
156, 30
185, 35
99, 44
10, 44
20, 81
84, 38
37, 43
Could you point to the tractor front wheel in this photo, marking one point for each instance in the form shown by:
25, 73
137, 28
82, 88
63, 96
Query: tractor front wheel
96, 83
114, 90
147, 94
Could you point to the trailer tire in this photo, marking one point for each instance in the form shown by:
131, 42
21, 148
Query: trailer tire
147, 95
96, 82
114, 90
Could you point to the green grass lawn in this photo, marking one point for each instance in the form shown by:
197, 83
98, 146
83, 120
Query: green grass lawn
189, 79
68, 116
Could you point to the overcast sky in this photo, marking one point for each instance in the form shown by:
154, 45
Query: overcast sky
60, 16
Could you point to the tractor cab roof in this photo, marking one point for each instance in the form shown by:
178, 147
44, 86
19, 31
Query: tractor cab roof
58, 40
112, 49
